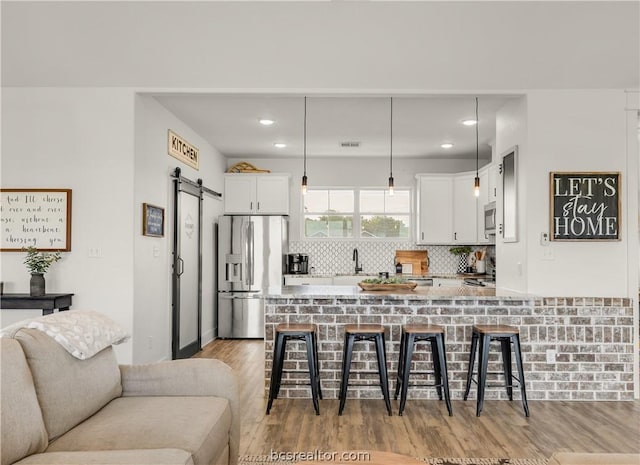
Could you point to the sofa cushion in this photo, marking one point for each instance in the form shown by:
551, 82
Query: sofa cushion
69, 390
112, 457
199, 425
21, 423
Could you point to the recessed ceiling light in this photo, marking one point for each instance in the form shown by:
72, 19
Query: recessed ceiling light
266, 121
469, 122
446, 145
280, 145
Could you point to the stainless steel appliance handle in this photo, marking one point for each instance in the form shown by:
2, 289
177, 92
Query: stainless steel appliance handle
245, 254
250, 274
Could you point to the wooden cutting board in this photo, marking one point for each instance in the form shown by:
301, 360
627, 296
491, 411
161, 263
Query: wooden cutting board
418, 259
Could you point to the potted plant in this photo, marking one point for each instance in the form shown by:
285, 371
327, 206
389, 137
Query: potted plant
38, 263
461, 251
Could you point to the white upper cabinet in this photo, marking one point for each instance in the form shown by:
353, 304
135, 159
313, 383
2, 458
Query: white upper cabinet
256, 194
272, 195
465, 215
492, 173
485, 194
435, 209
448, 212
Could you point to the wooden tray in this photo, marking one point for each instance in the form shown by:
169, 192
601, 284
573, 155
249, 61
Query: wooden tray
387, 287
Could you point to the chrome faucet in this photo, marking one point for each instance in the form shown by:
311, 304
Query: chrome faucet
355, 259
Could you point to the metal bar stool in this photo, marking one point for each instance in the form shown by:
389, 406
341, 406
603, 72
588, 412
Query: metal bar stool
295, 332
506, 335
365, 332
416, 333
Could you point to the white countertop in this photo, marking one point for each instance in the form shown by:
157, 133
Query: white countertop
419, 293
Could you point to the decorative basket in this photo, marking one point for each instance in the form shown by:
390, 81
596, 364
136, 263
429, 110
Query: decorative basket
244, 167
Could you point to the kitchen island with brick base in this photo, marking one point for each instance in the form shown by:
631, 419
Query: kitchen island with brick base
572, 348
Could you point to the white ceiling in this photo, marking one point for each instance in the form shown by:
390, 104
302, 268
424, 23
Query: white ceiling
220, 65
420, 124
432, 46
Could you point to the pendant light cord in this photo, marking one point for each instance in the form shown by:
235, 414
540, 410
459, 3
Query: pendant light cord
391, 140
477, 123
305, 137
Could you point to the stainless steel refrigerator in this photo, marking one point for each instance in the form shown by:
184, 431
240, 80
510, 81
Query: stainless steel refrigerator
251, 260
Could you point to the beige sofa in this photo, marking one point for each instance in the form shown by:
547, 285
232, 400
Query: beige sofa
57, 409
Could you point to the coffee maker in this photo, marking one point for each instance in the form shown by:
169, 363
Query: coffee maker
297, 263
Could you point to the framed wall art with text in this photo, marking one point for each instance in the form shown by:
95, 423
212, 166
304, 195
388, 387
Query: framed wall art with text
152, 220
39, 218
584, 206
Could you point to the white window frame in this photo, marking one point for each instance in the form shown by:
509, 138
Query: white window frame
382, 213
356, 216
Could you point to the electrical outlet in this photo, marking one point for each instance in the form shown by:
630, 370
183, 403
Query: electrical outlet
547, 253
150, 342
95, 252
551, 356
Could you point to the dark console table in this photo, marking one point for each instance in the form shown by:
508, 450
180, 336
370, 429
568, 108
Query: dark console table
48, 302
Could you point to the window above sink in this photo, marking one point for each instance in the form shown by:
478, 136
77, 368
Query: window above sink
357, 213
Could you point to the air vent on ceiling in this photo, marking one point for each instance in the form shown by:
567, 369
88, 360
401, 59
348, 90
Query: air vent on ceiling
350, 144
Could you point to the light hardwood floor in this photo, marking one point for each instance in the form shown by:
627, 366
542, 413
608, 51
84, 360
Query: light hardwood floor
425, 429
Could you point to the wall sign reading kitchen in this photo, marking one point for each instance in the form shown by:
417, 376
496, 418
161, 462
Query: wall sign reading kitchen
39, 218
585, 206
181, 149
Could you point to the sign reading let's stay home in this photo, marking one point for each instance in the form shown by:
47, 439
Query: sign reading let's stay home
585, 206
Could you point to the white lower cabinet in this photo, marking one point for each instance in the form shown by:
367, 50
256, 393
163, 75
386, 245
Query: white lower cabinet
325, 280
349, 280
447, 282
308, 280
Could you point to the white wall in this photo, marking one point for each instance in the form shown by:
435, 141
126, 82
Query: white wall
568, 131
153, 184
511, 130
81, 139
356, 172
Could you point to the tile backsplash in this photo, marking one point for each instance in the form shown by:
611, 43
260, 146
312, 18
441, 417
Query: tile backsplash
329, 257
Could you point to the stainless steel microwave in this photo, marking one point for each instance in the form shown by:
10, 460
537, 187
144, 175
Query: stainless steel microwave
490, 218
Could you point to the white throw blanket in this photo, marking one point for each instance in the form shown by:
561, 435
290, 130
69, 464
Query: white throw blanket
83, 333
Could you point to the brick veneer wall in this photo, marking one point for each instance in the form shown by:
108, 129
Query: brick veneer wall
593, 338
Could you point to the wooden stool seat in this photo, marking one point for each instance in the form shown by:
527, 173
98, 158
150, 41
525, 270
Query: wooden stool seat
295, 328
423, 329
363, 329
495, 329
507, 335
308, 333
371, 333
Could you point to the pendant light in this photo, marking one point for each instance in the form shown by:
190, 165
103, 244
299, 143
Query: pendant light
304, 153
476, 181
391, 148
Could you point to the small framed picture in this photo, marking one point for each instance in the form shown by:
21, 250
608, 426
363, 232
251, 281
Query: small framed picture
152, 220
